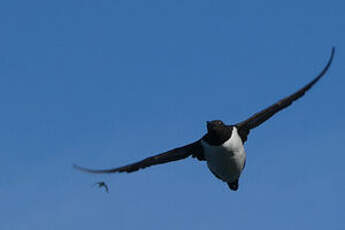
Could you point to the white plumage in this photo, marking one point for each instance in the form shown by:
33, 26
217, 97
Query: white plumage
226, 161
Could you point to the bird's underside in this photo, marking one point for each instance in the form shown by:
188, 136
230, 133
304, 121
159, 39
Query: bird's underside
196, 149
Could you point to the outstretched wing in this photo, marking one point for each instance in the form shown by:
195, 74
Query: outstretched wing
257, 119
172, 155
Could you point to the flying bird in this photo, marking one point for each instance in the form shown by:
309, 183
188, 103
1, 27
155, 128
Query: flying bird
102, 184
222, 147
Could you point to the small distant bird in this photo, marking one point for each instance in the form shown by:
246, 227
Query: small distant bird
102, 184
222, 147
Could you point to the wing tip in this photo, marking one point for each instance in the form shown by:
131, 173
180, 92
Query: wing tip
75, 166
325, 69
330, 60
332, 54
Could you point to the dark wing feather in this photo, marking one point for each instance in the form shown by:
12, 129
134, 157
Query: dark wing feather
172, 155
257, 119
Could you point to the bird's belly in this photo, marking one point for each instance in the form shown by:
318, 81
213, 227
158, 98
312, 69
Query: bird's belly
225, 165
226, 161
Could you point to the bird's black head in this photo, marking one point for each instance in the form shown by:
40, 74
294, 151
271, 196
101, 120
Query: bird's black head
217, 132
214, 125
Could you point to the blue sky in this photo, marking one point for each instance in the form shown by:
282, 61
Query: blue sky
104, 83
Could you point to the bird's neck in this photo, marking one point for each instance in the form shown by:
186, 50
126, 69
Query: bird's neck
218, 137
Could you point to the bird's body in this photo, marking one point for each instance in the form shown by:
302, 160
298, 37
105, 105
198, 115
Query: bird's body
222, 146
102, 184
226, 161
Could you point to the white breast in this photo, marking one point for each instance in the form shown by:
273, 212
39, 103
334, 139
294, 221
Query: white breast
227, 160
